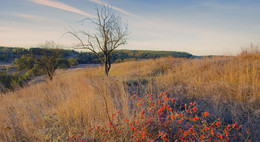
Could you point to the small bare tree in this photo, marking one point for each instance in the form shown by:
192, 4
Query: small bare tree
111, 33
48, 60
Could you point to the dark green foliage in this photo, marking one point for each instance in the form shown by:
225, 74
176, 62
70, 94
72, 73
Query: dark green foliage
63, 63
122, 55
26, 62
4, 54
90, 58
127, 55
36, 71
73, 62
18, 52
10, 82
6, 81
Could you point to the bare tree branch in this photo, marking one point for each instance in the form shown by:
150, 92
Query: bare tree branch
111, 34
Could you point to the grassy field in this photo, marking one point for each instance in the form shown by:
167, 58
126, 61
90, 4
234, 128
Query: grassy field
76, 101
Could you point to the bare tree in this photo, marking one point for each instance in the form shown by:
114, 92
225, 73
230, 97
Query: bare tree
111, 33
48, 60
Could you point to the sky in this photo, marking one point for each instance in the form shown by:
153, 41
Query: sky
200, 27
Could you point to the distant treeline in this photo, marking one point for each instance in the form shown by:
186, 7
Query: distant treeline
6, 53
23, 62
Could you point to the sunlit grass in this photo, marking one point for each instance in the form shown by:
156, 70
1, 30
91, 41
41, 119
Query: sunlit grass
227, 87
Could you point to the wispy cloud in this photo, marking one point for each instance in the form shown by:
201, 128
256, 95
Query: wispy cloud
31, 17
63, 6
116, 8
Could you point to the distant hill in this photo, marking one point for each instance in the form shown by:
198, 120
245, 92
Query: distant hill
9, 53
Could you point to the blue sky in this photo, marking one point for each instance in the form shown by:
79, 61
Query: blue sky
201, 27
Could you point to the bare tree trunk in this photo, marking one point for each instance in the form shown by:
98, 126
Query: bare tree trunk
111, 34
107, 64
106, 70
50, 76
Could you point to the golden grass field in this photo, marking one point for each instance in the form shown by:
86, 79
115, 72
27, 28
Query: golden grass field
226, 87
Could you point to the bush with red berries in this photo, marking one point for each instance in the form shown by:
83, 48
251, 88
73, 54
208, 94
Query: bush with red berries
160, 118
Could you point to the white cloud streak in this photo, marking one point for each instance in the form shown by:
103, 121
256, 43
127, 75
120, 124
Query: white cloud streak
31, 17
60, 5
115, 8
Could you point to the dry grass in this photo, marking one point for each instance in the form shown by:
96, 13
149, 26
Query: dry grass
76, 99
228, 86
238, 76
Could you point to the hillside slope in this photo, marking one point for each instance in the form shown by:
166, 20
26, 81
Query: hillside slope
226, 87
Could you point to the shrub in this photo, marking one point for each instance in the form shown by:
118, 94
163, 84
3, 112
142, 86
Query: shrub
162, 119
